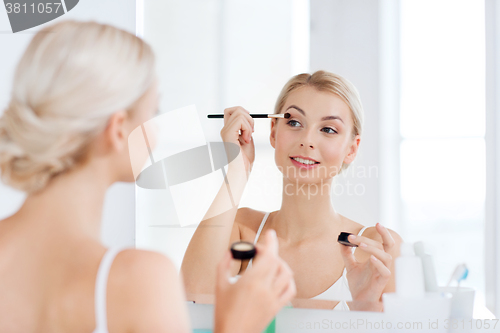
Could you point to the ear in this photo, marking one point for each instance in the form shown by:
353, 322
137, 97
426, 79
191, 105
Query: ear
272, 137
116, 131
352, 150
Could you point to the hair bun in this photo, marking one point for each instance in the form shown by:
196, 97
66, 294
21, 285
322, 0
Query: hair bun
18, 167
66, 85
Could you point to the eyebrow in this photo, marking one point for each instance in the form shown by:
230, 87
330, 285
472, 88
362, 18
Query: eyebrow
324, 118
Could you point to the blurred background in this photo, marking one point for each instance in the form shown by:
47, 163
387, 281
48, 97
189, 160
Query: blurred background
428, 73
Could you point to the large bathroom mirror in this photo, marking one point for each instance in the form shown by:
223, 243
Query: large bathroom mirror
420, 69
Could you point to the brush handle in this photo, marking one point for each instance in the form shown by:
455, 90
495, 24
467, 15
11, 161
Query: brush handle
253, 115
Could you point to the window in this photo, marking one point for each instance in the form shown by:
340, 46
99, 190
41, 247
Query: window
442, 126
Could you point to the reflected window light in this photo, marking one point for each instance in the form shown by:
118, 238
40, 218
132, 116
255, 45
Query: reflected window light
139, 18
443, 162
300, 36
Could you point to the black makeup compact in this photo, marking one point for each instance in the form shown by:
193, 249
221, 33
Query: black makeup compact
243, 250
343, 239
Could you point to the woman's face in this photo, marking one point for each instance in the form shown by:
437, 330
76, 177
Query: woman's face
311, 145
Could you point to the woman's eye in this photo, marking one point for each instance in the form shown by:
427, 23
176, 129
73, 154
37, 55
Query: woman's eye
328, 130
293, 123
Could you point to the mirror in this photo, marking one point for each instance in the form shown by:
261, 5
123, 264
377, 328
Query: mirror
421, 120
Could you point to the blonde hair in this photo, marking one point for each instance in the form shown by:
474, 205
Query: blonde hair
327, 82
72, 77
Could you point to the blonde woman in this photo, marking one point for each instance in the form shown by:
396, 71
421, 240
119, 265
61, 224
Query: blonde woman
79, 90
320, 139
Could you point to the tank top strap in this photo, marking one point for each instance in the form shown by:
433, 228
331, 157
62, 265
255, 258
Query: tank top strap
261, 227
100, 289
362, 230
258, 234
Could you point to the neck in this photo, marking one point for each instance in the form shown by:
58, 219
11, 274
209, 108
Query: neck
70, 205
306, 211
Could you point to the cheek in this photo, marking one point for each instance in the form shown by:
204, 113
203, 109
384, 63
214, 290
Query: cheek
330, 148
284, 141
332, 152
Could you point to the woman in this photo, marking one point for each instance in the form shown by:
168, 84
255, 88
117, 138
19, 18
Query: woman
79, 90
319, 140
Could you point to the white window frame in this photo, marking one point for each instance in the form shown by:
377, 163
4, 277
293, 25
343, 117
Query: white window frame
390, 186
492, 137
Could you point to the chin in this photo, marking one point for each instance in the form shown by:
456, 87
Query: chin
308, 180
305, 177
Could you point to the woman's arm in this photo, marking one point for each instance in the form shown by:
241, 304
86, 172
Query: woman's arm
217, 230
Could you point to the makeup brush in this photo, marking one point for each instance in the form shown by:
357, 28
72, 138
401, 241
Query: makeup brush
285, 115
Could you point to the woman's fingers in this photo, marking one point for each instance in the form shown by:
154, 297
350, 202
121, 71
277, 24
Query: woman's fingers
229, 113
354, 239
271, 241
348, 257
381, 255
388, 241
238, 125
288, 294
283, 277
266, 263
239, 122
381, 268
271, 272
246, 133
245, 126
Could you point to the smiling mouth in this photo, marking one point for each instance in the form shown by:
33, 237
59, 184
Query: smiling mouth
304, 161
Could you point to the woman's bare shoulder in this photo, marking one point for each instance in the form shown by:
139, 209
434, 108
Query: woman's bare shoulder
351, 226
142, 283
133, 260
248, 221
134, 272
372, 233
369, 232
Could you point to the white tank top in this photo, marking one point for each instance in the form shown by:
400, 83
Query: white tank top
100, 290
338, 291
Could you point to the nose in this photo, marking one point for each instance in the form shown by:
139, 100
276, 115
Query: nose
307, 140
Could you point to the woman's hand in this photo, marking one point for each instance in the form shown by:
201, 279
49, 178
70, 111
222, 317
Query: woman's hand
238, 129
248, 305
368, 279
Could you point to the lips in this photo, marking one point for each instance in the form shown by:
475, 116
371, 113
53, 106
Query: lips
304, 158
303, 162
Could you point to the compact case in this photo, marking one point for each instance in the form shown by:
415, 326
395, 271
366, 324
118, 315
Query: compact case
243, 250
343, 239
